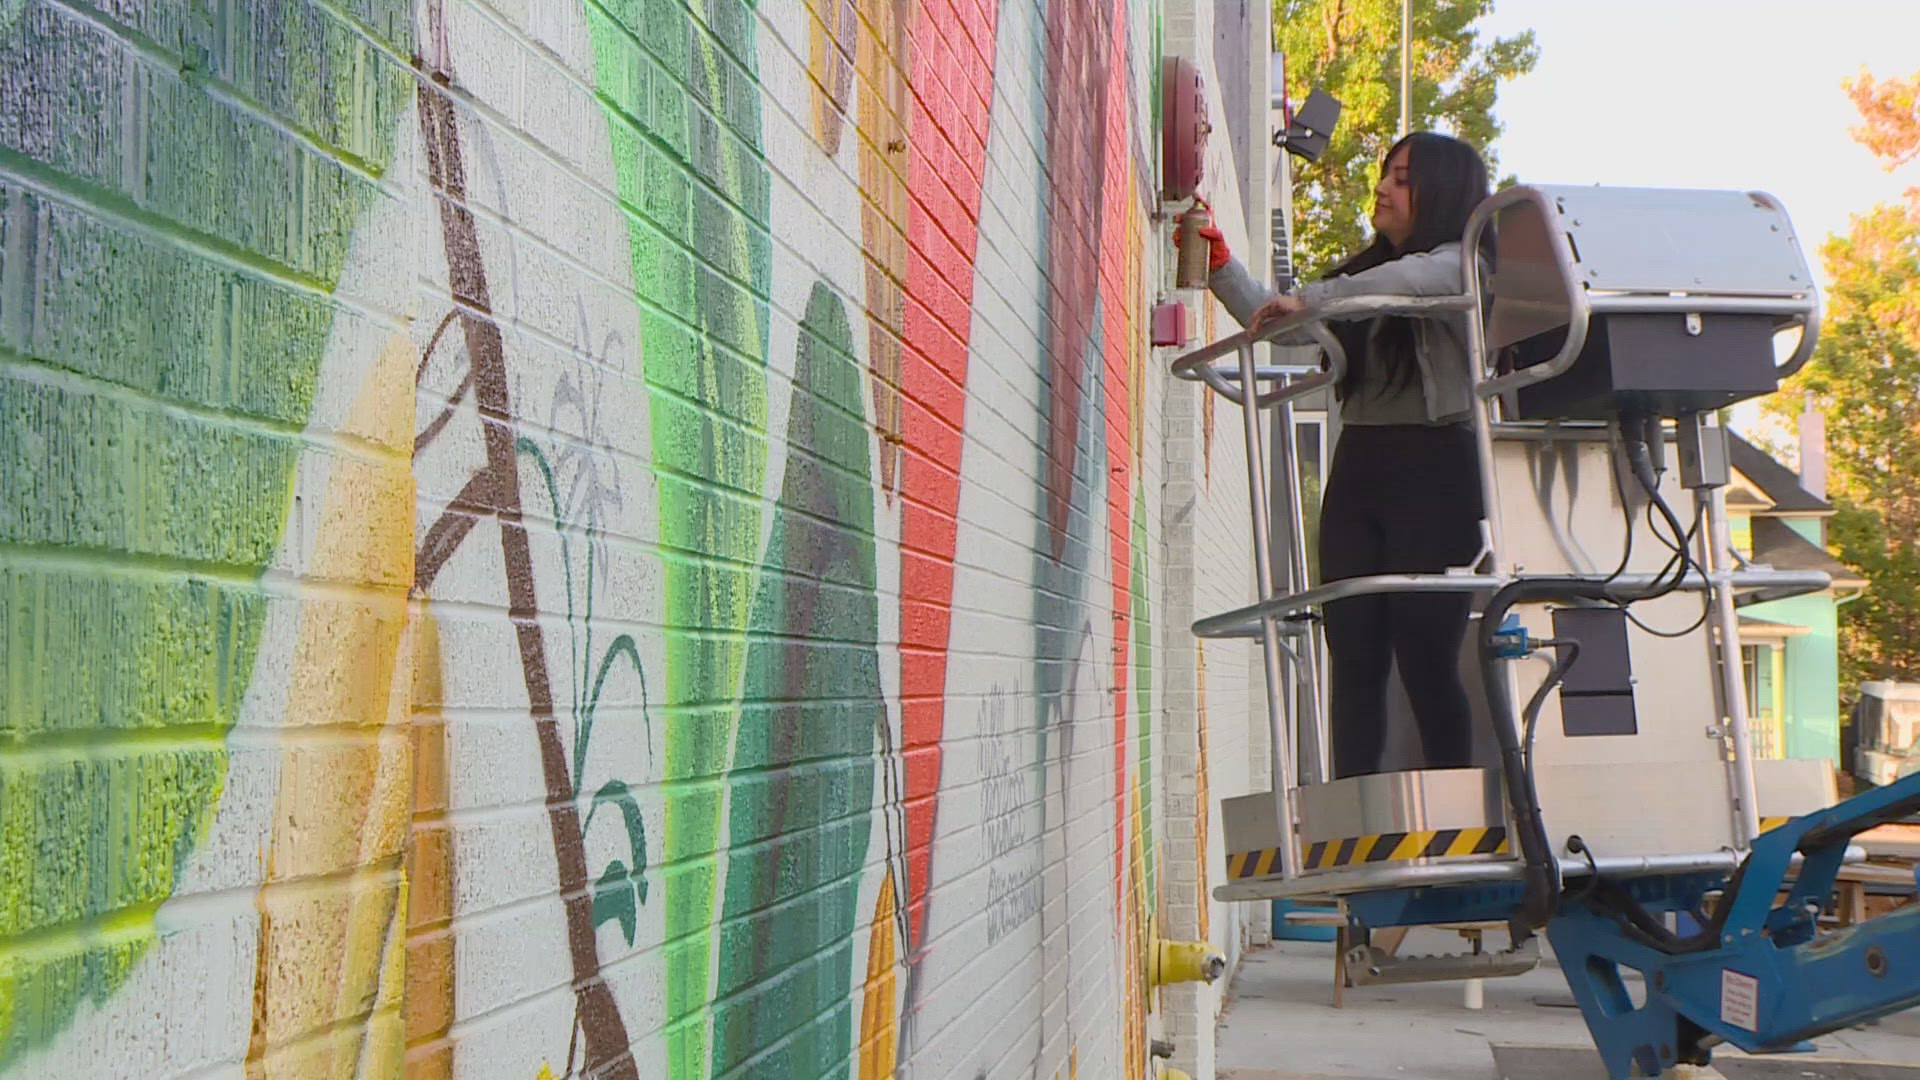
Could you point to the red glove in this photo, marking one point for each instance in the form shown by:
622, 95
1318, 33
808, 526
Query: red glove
1218, 255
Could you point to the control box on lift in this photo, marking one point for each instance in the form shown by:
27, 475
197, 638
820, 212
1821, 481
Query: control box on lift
1671, 354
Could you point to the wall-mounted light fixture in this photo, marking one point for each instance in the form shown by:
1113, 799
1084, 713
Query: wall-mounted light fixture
1308, 130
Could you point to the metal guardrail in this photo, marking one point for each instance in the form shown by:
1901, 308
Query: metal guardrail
1600, 290
1329, 884
1197, 365
1245, 622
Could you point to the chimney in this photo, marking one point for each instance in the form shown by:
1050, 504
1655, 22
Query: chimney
1813, 449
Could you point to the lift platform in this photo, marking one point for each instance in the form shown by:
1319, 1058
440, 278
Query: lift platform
1624, 800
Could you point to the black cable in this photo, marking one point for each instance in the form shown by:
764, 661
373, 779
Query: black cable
1682, 554
1642, 464
1679, 540
1677, 554
1580, 847
1626, 521
1541, 867
1706, 610
1638, 923
1607, 897
1683, 547
1530, 716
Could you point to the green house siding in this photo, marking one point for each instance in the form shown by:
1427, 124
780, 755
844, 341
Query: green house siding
1812, 673
1809, 528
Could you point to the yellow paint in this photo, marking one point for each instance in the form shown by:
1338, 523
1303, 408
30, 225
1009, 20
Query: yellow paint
1203, 813
1134, 944
831, 66
1740, 533
429, 868
1409, 846
1356, 850
546, 1072
880, 57
332, 935
879, 1022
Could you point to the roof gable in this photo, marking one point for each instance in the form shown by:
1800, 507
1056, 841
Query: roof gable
1774, 480
1775, 544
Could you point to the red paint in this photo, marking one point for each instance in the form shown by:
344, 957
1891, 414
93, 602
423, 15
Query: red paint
1115, 296
1077, 84
947, 150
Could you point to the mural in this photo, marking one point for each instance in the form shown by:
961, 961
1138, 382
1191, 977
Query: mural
495, 491
598, 539
123, 684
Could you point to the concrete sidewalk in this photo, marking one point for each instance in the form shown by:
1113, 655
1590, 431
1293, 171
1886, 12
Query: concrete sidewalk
1280, 1024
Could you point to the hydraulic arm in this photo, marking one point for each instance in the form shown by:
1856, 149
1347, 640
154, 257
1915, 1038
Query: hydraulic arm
1758, 974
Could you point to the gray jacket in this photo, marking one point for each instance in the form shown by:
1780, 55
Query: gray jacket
1440, 342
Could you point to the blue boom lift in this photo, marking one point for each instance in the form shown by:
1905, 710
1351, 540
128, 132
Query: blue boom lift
1628, 818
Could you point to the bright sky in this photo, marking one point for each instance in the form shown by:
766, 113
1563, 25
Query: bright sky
1707, 93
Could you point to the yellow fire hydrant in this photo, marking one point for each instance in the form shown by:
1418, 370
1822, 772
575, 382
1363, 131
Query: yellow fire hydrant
1181, 961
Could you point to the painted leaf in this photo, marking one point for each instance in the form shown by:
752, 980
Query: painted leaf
801, 788
619, 794
613, 899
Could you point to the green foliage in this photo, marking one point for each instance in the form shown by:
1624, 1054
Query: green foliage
1865, 377
1879, 632
622, 886
1351, 49
616, 892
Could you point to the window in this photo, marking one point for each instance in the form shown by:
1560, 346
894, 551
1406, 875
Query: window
1763, 712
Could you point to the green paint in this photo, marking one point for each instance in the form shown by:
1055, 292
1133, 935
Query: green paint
1812, 673
801, 789
1143, 679
682, 104
621, 886
118, 686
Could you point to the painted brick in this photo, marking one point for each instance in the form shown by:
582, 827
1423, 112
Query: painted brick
116, 810
712, 660
53, 616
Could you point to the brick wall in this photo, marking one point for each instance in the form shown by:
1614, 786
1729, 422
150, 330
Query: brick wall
623, 537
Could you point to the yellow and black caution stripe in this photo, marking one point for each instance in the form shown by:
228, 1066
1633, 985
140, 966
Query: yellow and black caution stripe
1379, 848
1247, 864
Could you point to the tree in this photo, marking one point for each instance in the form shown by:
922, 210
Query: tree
1890, 119
1865, 376
1351, 48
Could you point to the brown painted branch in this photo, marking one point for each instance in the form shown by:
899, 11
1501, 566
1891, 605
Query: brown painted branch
608, 1052
452, 527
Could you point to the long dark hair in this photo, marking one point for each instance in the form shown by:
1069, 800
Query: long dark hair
1449, 179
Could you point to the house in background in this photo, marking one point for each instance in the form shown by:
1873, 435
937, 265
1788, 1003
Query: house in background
1789, 649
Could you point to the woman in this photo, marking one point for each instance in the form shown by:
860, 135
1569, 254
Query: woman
1403, 495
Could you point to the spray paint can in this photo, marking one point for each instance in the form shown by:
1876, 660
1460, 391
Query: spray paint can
1194, 250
